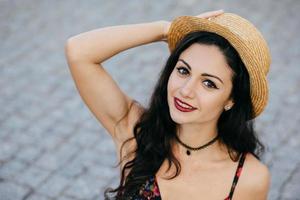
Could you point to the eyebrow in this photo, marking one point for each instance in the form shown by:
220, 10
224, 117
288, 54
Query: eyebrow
203, 74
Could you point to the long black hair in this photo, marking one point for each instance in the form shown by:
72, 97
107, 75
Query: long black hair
155, 130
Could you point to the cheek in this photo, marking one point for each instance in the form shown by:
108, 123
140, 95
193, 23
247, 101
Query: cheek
214, 101
210, 100
172, 88
173, 84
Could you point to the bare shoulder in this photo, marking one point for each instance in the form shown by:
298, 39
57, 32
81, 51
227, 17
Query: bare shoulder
255, 179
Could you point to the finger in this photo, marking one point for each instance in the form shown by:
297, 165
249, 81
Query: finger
210, 14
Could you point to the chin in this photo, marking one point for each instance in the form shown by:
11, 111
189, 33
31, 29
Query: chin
179, 121
178, 117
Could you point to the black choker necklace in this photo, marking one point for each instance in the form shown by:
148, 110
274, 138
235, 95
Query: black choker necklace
197, 148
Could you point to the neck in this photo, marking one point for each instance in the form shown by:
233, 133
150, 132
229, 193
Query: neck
195, 135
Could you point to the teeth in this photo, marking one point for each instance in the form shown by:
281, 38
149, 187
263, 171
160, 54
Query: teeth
183, 105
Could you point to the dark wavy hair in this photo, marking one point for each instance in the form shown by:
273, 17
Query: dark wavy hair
155, 130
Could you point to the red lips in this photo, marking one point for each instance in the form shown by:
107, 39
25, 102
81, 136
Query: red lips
181, 108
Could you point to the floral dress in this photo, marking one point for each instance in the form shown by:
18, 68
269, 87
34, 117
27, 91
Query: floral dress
150, 190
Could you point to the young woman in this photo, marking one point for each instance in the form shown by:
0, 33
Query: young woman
196, 139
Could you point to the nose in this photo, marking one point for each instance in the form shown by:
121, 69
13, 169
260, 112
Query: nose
187, 89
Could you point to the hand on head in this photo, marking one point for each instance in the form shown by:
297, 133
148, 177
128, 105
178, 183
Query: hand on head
210, 14
206, 15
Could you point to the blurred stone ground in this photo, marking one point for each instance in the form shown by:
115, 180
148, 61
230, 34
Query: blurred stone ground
51, 147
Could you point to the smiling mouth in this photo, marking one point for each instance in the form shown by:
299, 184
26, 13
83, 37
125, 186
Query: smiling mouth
182, 106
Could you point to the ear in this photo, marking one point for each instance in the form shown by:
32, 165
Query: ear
228, 105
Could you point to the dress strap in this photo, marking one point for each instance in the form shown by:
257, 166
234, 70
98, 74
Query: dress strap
237, 175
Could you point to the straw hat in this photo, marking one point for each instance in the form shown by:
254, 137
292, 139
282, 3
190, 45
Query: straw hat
244, 37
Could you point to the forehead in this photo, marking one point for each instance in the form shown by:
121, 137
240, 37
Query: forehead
206, 59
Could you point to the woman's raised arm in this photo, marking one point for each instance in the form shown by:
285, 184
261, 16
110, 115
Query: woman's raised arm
85, 53
97, 45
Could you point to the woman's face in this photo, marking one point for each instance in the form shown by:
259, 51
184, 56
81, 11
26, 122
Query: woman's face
202, 79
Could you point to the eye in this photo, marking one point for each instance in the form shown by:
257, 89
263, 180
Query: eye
182, 70
210, 84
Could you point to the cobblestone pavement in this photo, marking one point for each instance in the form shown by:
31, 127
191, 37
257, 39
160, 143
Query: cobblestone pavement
52, 147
